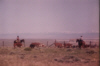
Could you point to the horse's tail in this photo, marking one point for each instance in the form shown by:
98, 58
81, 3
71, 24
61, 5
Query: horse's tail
14, 41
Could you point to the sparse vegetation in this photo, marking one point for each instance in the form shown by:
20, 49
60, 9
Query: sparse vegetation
27, 49
49, 57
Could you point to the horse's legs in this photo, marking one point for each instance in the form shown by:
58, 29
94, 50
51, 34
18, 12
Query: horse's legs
83, 46
80, 46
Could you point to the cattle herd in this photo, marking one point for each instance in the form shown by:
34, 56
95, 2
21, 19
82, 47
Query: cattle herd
81, 44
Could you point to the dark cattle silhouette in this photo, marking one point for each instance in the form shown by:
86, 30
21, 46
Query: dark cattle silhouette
74, 46
81, 43
86, 46
67, 45
19, 44
32, 45
35, 44
93, 46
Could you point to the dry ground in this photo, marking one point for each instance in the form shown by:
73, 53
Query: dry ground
49, 57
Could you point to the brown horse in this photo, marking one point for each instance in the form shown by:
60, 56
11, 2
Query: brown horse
35, 44
81, 43
18, 44
67, 45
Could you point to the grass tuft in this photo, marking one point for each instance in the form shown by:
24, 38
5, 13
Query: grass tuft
27, 49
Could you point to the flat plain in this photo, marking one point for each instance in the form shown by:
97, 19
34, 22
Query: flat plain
48, 56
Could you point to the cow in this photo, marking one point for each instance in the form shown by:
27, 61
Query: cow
93, 46
42, 45
74, 46
86, 45
59, 45
35, 44
67, 45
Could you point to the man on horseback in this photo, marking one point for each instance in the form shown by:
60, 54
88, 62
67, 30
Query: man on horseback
18, 42
81, 43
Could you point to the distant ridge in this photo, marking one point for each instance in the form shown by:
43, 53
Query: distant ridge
51, 35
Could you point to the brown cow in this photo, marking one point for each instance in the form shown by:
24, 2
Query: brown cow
67, 45
35, 44
93, 46
86, 46
74, 46
59, 45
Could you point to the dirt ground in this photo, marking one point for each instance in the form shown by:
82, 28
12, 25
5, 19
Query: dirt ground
49, 56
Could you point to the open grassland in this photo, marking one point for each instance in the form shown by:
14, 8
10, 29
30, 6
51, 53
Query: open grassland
49, 56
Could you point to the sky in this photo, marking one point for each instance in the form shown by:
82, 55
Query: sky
49, 16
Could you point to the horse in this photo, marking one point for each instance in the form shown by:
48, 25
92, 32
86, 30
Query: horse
35, 44
18, 44
81, 43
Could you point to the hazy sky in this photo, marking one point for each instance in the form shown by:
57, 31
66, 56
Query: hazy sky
49, 16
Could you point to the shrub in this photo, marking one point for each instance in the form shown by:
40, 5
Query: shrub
27, 49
